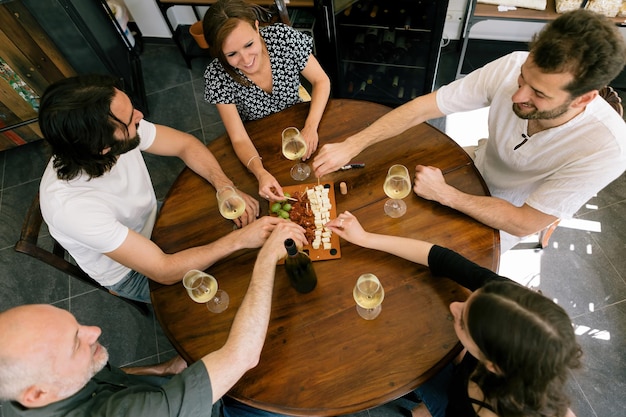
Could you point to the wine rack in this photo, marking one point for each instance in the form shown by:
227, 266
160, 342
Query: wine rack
386, 52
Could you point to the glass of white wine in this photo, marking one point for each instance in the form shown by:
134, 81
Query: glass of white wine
294, 147
202, 288
230, 203
368, 294
397, 186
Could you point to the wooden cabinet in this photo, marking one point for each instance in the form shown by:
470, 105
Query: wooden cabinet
381, 51
29, 62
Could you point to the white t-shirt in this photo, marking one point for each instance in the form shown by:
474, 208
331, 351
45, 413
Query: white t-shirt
557, 170
92, 217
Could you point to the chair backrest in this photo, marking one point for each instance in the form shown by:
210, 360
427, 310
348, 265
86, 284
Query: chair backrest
29, 245
611, 97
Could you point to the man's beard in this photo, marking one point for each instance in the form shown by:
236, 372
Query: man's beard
542, 115
71, 386
120, 147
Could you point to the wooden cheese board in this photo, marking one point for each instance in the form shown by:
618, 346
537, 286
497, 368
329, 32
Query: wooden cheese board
317, 254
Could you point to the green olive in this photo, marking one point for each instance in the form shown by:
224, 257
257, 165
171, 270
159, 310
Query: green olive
287, 207
283, 214
275, 207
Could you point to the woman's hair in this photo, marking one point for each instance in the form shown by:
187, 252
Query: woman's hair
76, 120
220, 21
531, 341
584, 43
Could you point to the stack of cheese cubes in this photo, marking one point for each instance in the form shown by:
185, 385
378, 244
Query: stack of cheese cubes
320, 206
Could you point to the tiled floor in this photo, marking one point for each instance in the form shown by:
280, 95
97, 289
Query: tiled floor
584, 269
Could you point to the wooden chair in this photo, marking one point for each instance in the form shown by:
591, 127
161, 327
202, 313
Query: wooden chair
29, 245
611, 97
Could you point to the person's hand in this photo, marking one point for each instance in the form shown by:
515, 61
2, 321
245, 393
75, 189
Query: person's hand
331, 157
429, 182
269, 188
347, 226
274, 247
255, 234
251, 212
312, 139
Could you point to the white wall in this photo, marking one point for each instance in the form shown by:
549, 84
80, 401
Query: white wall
150, 20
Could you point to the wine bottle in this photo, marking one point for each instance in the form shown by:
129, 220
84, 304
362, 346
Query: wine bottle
358, 50
299, 268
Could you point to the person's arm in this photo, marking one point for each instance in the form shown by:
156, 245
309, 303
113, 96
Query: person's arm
144, 256
173, 366
441, 261
246, 152
242, 349
172, 142
320, 84
492, 211
332, 156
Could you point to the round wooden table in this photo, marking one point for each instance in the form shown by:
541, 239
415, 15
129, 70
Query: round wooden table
320, 358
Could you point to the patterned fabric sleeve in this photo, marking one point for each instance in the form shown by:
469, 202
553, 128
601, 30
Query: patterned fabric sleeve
289, 51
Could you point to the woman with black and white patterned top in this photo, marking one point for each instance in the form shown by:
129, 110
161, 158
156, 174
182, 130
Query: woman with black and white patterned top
257, 73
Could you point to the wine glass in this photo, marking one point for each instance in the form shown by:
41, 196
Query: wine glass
202, 288
230, 203
294, 147
397, 186
368, 294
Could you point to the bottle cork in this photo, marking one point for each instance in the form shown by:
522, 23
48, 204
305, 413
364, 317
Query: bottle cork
343, 188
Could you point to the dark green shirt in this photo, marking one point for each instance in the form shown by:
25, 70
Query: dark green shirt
113, 393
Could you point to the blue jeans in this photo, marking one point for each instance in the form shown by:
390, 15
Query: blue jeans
133, 286
434, 392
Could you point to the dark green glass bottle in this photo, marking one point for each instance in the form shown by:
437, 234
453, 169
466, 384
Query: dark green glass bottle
299, 268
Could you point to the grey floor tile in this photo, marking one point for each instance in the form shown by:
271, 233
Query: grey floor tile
14, 205
578, 273
613, 193
163, 68
163, 171
25, 163
25, 280
602, 335
175, 107
127, 334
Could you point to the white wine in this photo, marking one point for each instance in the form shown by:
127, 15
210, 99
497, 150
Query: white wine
233, 207
397, 187
368, 293
202, 289
294, 149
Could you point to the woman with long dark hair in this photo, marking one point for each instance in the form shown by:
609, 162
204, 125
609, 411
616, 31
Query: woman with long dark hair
519, 345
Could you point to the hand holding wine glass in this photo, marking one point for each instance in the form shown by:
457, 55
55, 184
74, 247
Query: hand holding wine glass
230, 203
294, 147
397, 186
368, 294
202, 288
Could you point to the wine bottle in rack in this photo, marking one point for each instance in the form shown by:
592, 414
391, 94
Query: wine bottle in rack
400, 50
388, 45
372, 42
358, 47
379, 76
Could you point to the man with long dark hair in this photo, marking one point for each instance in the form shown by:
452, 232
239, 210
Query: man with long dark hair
97, 196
